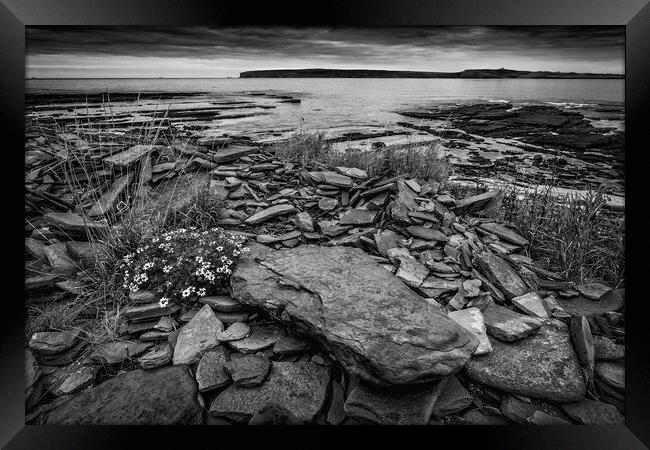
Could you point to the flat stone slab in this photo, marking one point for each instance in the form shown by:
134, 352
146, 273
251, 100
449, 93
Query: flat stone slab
232, 153
583, 306
394, 405
298, 387
247, 370
504, 233
129, 156
477, 202
106, 202
544, 365
222, 303
260, 337
53, 342
428, 234
165, 396
501, 274
235, 332
358, 217
507, 325
269, 213
367, 318
197, 336
532, 304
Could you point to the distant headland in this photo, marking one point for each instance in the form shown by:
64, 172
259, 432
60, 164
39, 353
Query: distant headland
468, 73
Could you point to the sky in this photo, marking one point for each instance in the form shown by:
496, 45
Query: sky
216, 52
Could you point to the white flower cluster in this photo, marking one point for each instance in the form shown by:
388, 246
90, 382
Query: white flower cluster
190, 261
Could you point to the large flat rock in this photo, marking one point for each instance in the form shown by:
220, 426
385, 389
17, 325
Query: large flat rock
366, 317
166, 396
298, 387
543, 365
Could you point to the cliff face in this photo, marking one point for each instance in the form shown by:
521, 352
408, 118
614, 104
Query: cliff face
363, 73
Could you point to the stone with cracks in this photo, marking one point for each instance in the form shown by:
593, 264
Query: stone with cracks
502, 274
269, 213
386, 240
197, 336
305, 222
247, 370
365, 317
507, 325
299, 387
165, 396
211, 371
543, 365
394, 405
358, 217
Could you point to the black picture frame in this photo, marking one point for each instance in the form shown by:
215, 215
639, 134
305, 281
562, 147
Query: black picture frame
633, 14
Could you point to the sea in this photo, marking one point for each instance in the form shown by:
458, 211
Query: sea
335, 102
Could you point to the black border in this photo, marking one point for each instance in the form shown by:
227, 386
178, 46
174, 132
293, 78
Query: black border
633, 14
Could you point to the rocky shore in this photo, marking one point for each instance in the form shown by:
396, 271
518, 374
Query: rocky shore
382, 299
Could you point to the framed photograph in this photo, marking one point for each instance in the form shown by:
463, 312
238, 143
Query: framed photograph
378, 217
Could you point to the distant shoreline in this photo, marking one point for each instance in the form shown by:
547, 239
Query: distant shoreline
465, 74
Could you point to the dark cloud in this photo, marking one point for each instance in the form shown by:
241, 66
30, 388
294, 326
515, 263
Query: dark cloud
224, 51
206, 42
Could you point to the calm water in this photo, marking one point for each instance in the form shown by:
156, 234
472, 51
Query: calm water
329, 102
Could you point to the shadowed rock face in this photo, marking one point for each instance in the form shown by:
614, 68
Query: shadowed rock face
166, 396
366, 318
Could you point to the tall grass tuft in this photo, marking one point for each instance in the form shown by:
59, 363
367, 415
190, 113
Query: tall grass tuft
413, 160
574, 233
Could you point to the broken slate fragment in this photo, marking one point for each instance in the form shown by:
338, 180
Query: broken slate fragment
507, 325
269, 213
532, 304
197, 336
472, 320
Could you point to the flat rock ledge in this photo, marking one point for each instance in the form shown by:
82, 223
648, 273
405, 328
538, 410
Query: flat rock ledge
521, 368
367, 318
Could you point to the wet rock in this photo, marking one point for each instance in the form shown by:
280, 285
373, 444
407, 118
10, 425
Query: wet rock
394, 405
592, 290
165, 396
611, 373
532, 304
274, 414
156, 357
234, 332
590, 412
298, 387
53, 342
323, 289
261, 337
358, 217
117, 352
197, 336
504, 233
472, 320
211, 371
500, 273
543, 365
247, 370
269, 213
507, 325
607, 350
453, 398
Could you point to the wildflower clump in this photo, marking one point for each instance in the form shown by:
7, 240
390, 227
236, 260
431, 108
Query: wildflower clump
182, 264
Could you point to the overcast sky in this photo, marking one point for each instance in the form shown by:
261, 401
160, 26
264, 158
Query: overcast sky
106, 52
